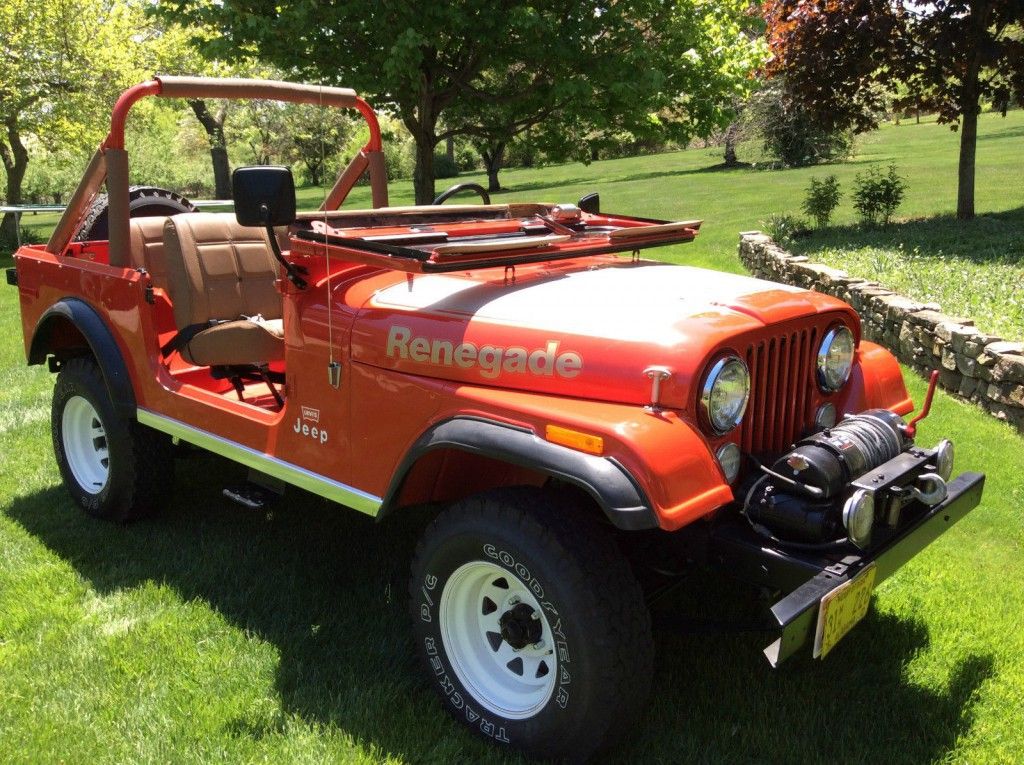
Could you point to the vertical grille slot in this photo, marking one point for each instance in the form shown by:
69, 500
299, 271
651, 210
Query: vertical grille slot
780, 395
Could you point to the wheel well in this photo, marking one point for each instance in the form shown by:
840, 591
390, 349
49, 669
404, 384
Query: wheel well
71, 327
466, 455
59, 337
446, 475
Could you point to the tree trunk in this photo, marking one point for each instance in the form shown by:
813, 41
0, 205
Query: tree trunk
449, 149
214, 127
731, 134
423, 174
221, 172
15, 161
968, 149
494, 157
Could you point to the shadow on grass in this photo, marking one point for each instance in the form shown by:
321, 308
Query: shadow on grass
327, 587
989, 237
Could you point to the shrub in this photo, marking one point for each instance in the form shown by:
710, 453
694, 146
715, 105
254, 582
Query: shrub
788, 132
444, 167
822, 199
876, 195
785, 228
9, 244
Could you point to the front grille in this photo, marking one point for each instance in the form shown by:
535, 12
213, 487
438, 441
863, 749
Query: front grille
781, 391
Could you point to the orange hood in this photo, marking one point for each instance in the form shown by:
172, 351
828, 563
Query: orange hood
587, 329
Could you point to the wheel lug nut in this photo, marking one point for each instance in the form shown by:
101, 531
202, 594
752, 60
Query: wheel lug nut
513, 600
535, 616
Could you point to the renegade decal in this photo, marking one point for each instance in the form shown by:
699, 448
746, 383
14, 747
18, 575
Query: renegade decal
491, 360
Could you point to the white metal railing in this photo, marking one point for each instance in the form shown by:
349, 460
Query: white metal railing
19, 210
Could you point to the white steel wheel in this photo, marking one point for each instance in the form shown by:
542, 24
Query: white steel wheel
85, 444
498, 640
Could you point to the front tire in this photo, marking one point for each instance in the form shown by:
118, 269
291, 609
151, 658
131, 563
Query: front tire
531, 624
113, 467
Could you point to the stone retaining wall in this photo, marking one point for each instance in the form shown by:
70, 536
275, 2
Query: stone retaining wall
975, 366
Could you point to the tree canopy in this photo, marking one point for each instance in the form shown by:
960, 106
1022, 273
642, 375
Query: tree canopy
480, 68
839, 57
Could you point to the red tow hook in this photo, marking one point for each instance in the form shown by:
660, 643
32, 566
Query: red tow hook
911, 427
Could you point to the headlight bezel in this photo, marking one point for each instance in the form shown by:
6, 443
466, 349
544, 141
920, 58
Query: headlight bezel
822, 359
711, 377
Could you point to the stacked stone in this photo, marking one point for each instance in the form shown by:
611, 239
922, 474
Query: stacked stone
972, 364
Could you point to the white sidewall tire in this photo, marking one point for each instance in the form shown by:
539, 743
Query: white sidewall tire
139, 461
593, 610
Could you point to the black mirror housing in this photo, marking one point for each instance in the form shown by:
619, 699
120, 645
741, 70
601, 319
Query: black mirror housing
590, 203
263, 195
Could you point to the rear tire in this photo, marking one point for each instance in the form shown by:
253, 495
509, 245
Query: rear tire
113, 467
530, 624
142, 201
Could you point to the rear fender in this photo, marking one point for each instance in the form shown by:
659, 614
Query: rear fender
602, 479
72, 327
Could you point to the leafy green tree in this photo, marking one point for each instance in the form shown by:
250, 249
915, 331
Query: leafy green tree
840, 56
671, 75
42, 67
424, 58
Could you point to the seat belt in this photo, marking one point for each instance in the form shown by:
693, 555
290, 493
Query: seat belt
184, 336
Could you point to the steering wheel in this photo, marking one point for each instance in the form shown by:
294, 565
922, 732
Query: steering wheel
444, 196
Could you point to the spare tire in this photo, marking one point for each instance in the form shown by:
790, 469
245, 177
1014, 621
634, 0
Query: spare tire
142, 201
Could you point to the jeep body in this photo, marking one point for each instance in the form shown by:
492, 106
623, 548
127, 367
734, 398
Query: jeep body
433, 355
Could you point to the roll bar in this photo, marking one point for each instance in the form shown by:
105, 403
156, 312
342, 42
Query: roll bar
110, 162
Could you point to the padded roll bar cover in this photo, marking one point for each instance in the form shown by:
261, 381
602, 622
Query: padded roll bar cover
378, 179
101, 344
118, 212
274, 90
604, 480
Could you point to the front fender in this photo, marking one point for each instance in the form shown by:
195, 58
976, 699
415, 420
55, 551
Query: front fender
603, 479
71, 326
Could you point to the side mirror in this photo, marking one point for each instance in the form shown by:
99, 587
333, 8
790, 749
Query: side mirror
591, 203
264, 196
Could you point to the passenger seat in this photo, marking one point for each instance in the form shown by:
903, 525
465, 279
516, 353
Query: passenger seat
221, 281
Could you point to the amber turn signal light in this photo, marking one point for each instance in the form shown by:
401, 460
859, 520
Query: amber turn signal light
574, 439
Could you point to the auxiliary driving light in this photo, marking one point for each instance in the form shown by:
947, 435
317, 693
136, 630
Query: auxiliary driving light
825, 417
859, 517
944, 459
729, 459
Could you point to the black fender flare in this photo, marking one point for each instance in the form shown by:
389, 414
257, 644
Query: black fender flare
603, 479
101, 343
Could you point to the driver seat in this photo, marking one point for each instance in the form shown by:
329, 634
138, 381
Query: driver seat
221, 279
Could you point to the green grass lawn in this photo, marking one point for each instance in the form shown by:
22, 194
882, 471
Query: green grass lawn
216, 634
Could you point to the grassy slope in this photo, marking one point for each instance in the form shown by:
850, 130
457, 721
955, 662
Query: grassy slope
216, 634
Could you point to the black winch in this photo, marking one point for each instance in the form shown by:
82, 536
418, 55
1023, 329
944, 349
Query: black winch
812, 495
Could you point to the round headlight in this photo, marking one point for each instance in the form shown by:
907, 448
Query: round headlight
859, 517
725, 394
835, 359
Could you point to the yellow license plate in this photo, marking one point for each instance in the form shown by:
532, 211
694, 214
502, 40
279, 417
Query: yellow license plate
841, 609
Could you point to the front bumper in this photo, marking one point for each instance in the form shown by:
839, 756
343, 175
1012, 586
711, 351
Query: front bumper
810, 577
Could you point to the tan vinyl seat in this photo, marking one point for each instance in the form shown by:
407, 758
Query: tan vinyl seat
146, 250
219, 271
